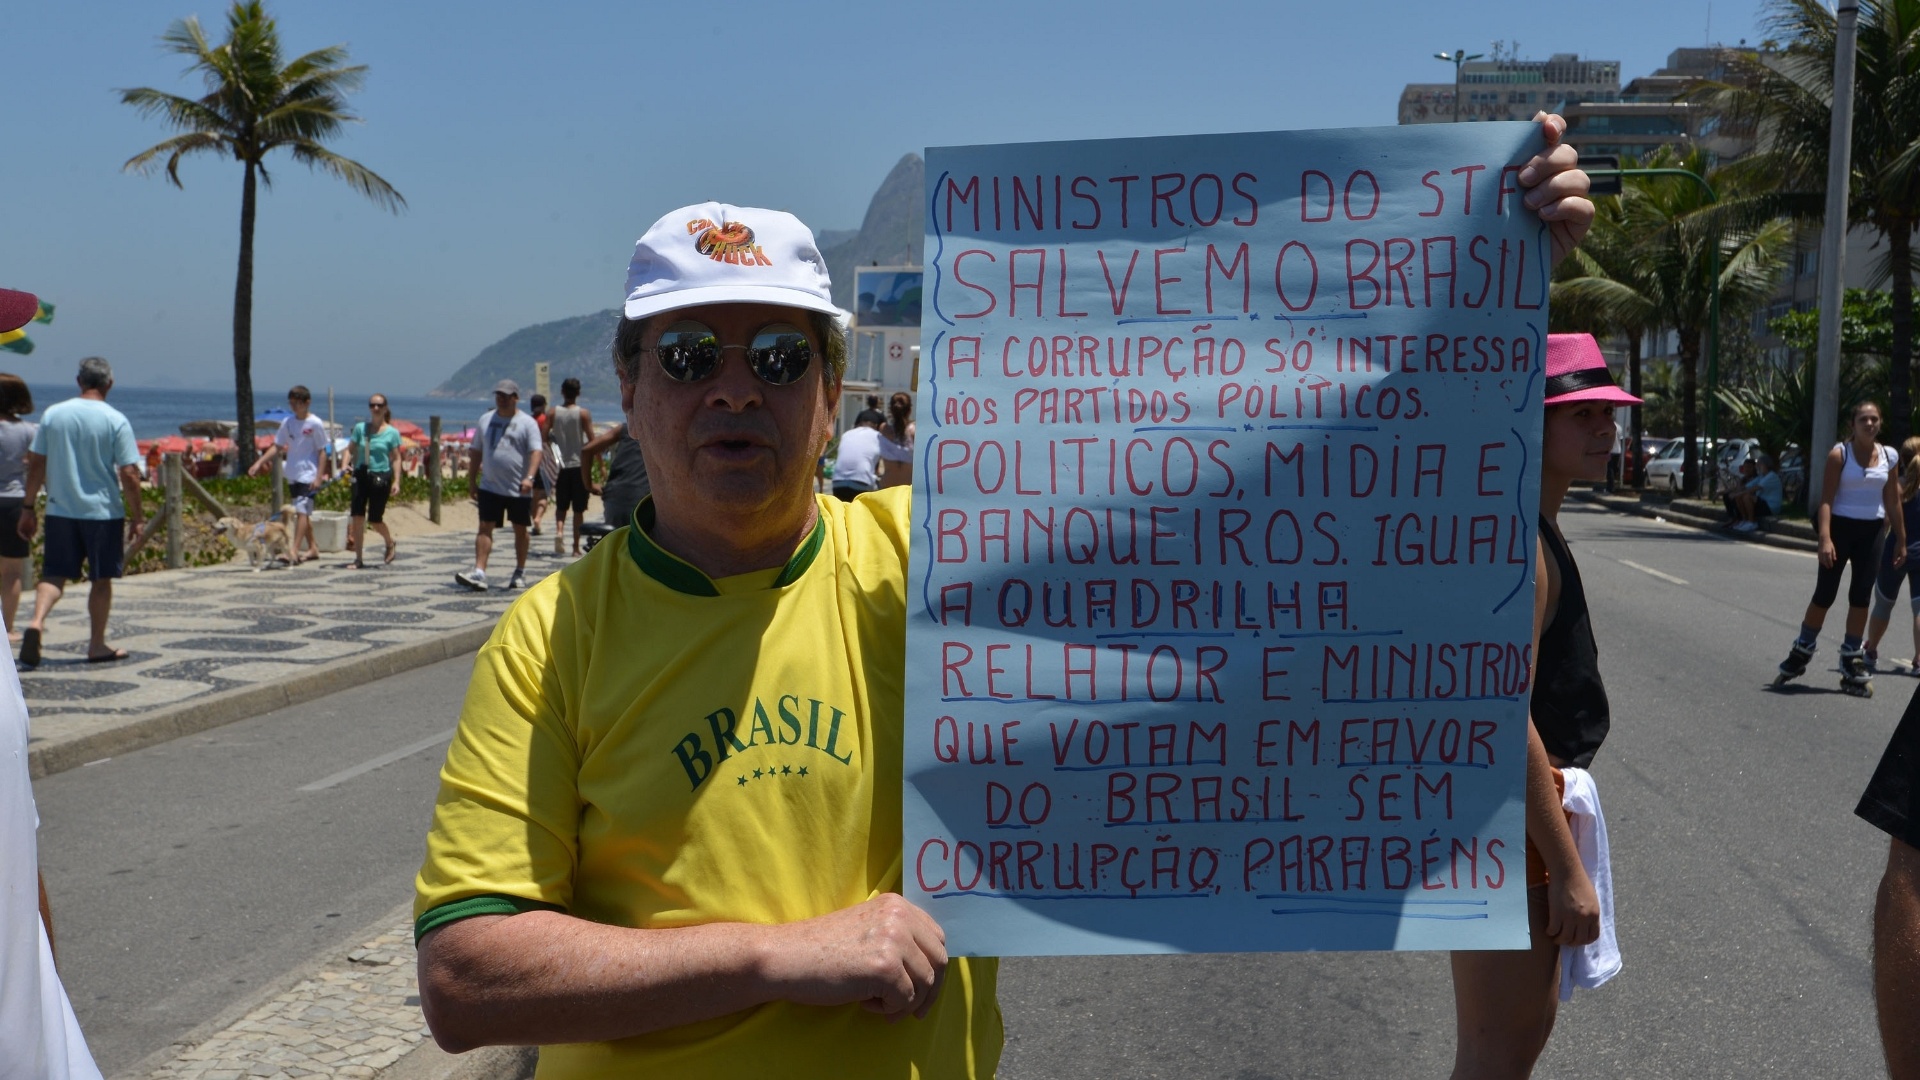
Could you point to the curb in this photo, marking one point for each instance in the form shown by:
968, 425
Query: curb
1677, 514
276, 1031
215, 710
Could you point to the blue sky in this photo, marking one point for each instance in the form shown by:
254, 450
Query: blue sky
534, 144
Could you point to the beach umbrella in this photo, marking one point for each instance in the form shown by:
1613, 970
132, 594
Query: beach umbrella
171, 444
17, 340
263, 442
409, 430
214, 428
276, 414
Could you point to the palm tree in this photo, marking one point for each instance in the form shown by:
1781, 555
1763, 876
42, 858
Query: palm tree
1608, 252
255, 105
1790, 96
1678, 236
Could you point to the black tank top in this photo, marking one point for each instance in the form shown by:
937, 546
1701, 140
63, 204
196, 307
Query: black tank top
626, 482
1569, 703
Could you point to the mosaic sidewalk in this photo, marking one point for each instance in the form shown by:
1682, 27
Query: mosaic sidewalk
201, 638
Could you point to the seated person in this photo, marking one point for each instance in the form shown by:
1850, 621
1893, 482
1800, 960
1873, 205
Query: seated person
1758, 496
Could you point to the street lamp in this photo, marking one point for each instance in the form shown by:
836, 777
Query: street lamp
1457, 57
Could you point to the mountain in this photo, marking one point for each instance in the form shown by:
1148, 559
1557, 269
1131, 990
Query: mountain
580, 347
890, 235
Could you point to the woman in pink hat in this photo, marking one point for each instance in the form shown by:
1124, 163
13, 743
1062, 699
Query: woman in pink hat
1505, 1001
1862, 491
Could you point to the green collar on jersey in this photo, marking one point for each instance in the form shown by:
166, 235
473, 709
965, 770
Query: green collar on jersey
681, 576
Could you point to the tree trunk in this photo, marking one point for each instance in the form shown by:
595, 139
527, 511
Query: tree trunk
243, 327
1690, 409
1900, 360
1638, 478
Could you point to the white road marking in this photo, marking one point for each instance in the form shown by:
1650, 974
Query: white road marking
1651, 570
384, 759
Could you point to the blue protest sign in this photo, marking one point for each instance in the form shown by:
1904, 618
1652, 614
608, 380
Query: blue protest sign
1220, 603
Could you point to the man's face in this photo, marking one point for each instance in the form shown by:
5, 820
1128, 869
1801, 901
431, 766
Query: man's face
504, 403
730, 442
299, 406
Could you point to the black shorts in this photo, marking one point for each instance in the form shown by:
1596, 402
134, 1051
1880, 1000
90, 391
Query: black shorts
1892, 799
301, 496
515, 508
12, 544
370, 491
102, 544
570, 492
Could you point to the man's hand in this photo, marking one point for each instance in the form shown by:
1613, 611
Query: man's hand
526, 485
1557, 188
886, 954
28, 524
1573, 908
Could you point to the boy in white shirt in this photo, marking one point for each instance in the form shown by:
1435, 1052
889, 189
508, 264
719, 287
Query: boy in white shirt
303, 442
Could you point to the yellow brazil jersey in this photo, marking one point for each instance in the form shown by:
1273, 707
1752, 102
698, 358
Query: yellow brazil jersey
642, 746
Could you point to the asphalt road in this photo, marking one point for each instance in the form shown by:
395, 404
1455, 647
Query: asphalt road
1744, 882
186, 875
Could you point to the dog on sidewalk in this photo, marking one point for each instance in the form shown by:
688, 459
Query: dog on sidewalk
264, 542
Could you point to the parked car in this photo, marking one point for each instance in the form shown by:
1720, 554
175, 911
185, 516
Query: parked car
1719, 462
1650, 445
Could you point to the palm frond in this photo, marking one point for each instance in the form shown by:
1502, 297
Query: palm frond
357, 176
193, 142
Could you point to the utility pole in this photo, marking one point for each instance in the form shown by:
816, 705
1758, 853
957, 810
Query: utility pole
1457, 57
1833, 251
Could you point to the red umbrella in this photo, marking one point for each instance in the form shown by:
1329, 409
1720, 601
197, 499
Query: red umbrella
172, 444
262, 442
410, 430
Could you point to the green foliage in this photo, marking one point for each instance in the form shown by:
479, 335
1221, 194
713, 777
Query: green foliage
1866, 325
1775, 405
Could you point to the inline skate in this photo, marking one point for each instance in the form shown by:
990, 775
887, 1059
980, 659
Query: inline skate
1795, 665
1856, 678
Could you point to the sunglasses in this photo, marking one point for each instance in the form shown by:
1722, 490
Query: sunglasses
778, 354
376, 404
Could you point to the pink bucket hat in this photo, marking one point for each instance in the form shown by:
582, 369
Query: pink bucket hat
1577, 372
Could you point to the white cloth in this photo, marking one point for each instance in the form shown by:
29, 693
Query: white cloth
1589, 965
1863, 484
303, 441
859, 449
39, 1037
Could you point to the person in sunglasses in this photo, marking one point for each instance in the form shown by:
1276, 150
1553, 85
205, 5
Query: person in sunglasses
668, 833
504, 459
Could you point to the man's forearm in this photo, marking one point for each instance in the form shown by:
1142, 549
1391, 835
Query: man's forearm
543, 977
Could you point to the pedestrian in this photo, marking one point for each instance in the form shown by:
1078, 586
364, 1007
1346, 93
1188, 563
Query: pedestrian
16, 434
1862, 490
1891, 803
372, 448
1758, 495
503, 459
303, 442
537, 408
854, 471
626, 486
606, 876
569, 430
83, 451
40, 1038
896, 442
1505, 1002
1886, 586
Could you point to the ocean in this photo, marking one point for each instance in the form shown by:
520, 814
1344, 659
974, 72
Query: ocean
154, 412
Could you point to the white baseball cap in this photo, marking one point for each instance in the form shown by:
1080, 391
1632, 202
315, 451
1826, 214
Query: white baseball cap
713, 253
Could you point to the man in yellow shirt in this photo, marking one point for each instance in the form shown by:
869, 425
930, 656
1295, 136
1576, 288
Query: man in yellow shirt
668, 831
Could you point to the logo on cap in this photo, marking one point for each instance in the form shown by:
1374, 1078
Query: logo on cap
728, 243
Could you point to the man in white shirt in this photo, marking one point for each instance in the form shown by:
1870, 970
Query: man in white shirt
303, 442
504, 458
853, 465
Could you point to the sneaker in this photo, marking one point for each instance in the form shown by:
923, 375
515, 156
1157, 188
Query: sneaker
1746, 527
519, 578
475, 579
